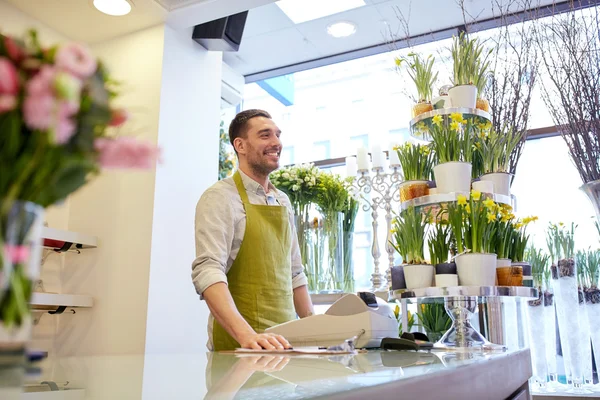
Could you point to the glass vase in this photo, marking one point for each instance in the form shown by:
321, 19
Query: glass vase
592, 304
20, 258
550, 337
585, 341
303, 232
537, 342
348, 273
564, 280
332, 280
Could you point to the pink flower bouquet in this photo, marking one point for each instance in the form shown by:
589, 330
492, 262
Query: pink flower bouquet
55, 134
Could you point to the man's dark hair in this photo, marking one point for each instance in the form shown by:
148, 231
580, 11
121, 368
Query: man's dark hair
237, 128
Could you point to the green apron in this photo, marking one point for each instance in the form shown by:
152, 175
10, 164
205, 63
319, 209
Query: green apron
260, 279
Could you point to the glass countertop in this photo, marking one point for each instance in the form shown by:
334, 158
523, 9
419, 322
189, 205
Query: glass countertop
231, 376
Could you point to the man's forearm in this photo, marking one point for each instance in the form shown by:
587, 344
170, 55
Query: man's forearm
302, 302
223, 309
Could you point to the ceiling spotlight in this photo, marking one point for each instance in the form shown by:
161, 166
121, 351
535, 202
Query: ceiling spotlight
341, 29
113, 7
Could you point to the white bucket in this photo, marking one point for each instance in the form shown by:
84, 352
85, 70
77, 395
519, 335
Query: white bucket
483, 186
446, 280
503, 262
453, 177
501, 181
463, 96
476, 269
418, 276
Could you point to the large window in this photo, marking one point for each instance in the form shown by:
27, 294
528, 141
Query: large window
363, 102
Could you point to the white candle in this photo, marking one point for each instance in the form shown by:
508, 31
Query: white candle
351, 166
394, 160
377, 156
362, 158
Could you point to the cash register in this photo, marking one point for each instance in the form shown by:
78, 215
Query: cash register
364, 316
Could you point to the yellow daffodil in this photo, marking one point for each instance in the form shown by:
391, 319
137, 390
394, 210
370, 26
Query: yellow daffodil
488, 125
462, 200
392, 231
456, 117
437, 120
476, 195
489, 204
491, 217
483, 134
518, 225
507, 207
396, 148
425, 150
526, 220
481, 125
455, 126
505, 218
561, 224
397, 61
397, 311
534, 218
468, 208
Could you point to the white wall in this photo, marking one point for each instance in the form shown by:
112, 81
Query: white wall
117, 207
189, 137
15, 23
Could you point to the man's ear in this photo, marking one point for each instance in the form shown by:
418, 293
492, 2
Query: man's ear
239, 145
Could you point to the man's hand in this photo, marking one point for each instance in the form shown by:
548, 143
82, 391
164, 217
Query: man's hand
267, 341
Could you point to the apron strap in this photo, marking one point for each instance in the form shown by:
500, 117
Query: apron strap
237, 178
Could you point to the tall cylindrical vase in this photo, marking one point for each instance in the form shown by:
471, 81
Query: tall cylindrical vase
303, 232
348, 273
567, 307
592, 297
550, 336
537, 342
585, 341
333, 262
592, 190
20, 258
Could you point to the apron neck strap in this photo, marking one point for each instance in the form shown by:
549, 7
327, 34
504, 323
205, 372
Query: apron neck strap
237, 178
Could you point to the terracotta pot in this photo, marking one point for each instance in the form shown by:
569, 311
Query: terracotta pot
483, 105
421, 107
413, 189
510, 276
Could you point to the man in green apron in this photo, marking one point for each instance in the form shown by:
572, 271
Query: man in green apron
248, 266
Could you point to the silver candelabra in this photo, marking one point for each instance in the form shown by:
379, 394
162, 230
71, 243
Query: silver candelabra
384, 190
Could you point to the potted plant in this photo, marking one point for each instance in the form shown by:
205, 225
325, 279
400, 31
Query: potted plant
521, 269
57, 119
434, 319
472, 221
409, 232
467, 68
496, 149
503, 243
421, 72
439, 244
452, 143
416, 161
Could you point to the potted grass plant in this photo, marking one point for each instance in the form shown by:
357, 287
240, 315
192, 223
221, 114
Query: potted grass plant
503, 242
439, 243
472, 221
434, 319
421, 72
521, 268
468, 68
452, 143
496, 148
409, 232
416, 161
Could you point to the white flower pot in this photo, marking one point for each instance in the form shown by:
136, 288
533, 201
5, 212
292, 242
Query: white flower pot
501, 181
476, 269
446, 280
503, 262
418, 276
483, 186
453, 177
463, 96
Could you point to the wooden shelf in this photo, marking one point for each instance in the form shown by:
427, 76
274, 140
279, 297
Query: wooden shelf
52, 301
79, 240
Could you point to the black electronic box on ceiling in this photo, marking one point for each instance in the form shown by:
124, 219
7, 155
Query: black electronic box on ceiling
224, 34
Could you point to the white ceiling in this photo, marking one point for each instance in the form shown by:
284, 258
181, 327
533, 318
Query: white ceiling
271, 40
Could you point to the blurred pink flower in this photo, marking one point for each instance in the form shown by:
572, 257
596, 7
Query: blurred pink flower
119, 117
42, 83
14, 51
126, 153
76, 59
16, 254
9, 78
8, 102
38, 111
64, 130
